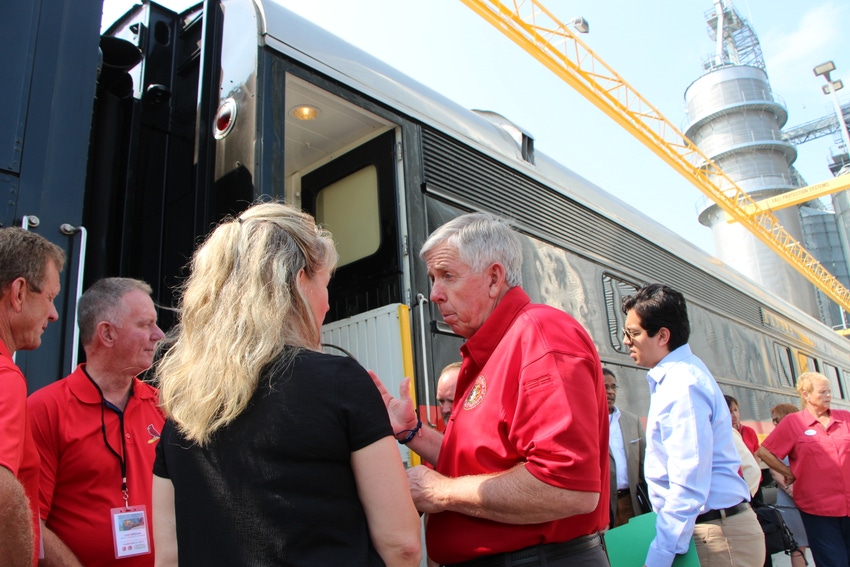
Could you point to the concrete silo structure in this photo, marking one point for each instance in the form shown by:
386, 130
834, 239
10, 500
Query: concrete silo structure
735, 120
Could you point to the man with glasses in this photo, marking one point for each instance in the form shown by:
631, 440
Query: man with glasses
29, 282
691, 461
627, 445
96, 431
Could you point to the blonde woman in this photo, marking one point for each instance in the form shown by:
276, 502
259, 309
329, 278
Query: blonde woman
816, 441
273, 453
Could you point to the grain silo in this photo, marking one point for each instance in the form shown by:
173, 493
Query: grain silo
736, 121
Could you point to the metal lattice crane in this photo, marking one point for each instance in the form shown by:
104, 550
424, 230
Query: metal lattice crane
534, 28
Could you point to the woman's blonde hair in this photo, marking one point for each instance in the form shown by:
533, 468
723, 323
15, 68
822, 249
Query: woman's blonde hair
805, 384
240, 307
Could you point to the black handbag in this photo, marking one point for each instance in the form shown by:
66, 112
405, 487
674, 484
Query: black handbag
777, 536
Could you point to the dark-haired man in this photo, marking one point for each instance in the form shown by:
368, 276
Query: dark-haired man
691, 462
627, 445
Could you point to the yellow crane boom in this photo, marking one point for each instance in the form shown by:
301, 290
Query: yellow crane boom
530, 25
797, 196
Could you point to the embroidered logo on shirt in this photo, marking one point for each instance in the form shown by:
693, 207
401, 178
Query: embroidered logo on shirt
153, 433
476, 394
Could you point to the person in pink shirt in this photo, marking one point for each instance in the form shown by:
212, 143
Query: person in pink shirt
816, 441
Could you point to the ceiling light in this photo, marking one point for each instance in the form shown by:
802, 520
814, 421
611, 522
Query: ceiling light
304, 112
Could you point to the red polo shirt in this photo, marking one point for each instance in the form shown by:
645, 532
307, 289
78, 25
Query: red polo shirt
820, 459
18, 452
751, 440
81, 477
530, 391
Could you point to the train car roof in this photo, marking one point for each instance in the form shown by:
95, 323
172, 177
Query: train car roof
304, 41
298, 38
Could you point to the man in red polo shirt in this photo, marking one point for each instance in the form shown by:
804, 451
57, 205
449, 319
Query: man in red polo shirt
96, 431
522, 470
29, 282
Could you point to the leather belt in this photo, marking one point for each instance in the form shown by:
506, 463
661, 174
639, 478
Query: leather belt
724, 513
623, 492
537, 555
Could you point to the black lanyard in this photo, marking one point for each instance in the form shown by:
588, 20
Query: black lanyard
122, 460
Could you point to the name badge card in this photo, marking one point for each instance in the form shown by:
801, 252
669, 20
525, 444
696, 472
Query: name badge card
130, 531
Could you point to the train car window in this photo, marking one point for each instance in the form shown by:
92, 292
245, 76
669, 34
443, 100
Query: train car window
349, 209
785, 365
807, 363
831, 372
354, 196
614, 290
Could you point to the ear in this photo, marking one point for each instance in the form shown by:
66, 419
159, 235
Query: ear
663, 336
105, 333
301, 279
17, 293
496, 279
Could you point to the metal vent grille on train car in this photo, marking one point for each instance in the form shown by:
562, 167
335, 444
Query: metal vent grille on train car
459, 173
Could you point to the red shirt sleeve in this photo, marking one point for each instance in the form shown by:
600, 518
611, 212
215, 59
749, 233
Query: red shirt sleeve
13, 418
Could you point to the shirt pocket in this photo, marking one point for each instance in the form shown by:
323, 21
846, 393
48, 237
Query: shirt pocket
817, 452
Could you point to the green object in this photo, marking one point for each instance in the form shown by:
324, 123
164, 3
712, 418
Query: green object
628, 545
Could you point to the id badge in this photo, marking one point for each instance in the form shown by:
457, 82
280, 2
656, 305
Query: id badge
130, 531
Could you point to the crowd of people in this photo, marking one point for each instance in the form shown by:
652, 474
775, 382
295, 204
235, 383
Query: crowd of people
256, 448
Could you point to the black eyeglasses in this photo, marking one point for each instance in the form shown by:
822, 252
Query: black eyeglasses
776, 420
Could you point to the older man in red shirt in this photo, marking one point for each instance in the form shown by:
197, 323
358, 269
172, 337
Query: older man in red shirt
96, 431
522, 470
29, 282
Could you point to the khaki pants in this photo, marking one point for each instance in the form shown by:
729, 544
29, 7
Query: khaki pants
736, 541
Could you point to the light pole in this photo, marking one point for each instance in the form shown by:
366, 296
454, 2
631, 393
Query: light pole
841, 203
824, 69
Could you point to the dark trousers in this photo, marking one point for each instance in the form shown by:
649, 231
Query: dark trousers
829, 539
536, 556
596, 557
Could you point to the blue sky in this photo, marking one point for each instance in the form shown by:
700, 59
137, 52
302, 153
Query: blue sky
658, 46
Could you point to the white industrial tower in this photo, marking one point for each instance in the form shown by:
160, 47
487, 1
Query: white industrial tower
736, 121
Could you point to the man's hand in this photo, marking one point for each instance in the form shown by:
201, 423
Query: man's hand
424, 488
402, 414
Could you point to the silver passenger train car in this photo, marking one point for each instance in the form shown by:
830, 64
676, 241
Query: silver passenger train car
288, 110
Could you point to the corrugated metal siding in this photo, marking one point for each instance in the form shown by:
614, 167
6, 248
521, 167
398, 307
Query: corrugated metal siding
458, 173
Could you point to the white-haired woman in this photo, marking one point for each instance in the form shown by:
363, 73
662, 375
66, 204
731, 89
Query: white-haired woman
816, 441
273, 453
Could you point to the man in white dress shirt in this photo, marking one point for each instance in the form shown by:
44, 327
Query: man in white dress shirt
691, 462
